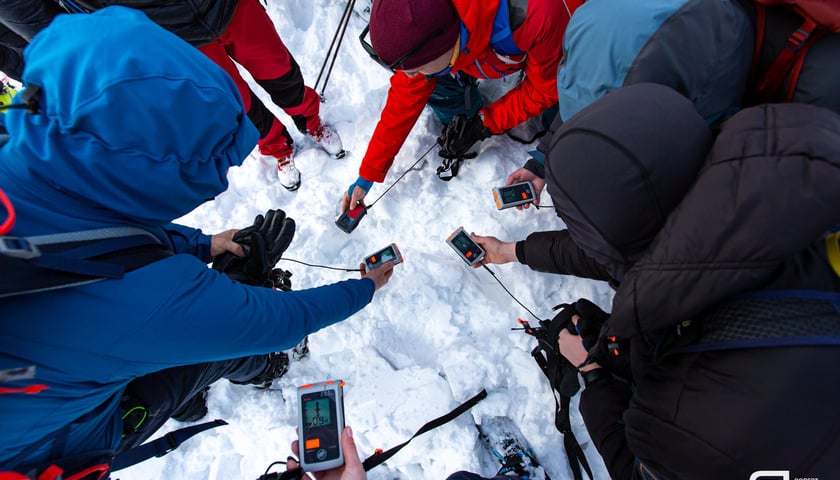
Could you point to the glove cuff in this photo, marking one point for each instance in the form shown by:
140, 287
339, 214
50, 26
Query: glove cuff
361, 183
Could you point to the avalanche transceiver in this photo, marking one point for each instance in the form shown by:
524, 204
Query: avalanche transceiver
320, 423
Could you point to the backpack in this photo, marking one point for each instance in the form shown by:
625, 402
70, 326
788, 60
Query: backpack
49, 262
562, 377
64, 260
819, 17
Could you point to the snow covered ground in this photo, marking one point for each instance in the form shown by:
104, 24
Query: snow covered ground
436, 335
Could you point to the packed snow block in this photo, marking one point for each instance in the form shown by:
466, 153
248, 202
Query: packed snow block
699, 48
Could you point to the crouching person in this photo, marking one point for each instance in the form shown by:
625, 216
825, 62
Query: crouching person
123, 127
724, 323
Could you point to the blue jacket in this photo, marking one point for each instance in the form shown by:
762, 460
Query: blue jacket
135, 128
702, 49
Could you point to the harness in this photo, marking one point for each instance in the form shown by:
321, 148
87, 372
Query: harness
563, 378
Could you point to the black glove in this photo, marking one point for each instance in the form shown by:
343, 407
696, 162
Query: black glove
264, 242
613, 355
460, 135
592, 318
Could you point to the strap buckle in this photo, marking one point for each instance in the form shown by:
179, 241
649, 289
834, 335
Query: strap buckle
18, 247
172, 442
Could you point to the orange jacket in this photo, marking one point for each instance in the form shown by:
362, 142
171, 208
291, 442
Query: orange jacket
540, 37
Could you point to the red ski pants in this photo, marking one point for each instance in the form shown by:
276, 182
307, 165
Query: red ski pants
252, 41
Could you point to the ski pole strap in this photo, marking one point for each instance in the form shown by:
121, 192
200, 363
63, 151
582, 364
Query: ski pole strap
380, 457
161, 446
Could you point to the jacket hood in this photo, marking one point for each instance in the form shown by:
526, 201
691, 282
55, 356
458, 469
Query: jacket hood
133, 122
754, 219
477, 17
617, 169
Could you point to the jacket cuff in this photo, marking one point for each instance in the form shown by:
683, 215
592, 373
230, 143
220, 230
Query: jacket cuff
594, 375
520, 251
534, 165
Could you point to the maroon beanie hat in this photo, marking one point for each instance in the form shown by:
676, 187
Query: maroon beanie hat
398, 26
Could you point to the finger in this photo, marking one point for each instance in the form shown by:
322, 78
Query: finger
345, 202
362, 269
358, 196
564, 336
351, 455
234, 248
273, 223
285, 235
295, 448
536, 198
291, 463
242, 235
575, 319
388, 266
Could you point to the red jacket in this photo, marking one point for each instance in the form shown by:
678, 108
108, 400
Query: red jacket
540, 36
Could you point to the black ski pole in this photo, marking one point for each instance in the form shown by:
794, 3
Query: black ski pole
339, 36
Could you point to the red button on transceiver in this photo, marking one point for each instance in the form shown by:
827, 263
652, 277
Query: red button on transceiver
469, 254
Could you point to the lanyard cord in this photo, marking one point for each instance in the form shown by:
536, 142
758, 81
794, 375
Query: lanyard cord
401, 176
508, 292
342, 269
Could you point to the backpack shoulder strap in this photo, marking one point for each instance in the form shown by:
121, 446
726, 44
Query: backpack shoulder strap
48, 262
509, 16
768, 318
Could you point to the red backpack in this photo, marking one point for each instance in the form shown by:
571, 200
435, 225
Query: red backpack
819, 17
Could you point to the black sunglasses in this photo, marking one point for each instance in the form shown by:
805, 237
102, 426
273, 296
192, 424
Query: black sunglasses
394, 66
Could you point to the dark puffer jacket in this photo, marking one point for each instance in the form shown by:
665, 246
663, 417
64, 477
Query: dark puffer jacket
28, 17
679, 235
199, 22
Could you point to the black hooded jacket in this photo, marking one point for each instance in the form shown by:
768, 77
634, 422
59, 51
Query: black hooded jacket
199, 22
680, 226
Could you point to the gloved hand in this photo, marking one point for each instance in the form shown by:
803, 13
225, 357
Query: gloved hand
460, 135
565, 375
264, 242
592, 318
612, 354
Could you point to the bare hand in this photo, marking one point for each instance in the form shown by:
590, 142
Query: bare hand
524, 175
358, 199
381, 275
497, 251
571, 347
352, 468
223, 242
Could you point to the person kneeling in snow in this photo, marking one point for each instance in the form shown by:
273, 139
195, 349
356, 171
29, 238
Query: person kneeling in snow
127, 125
726, 277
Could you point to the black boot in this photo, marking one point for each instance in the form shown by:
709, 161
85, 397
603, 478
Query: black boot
276, 366
194, 409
